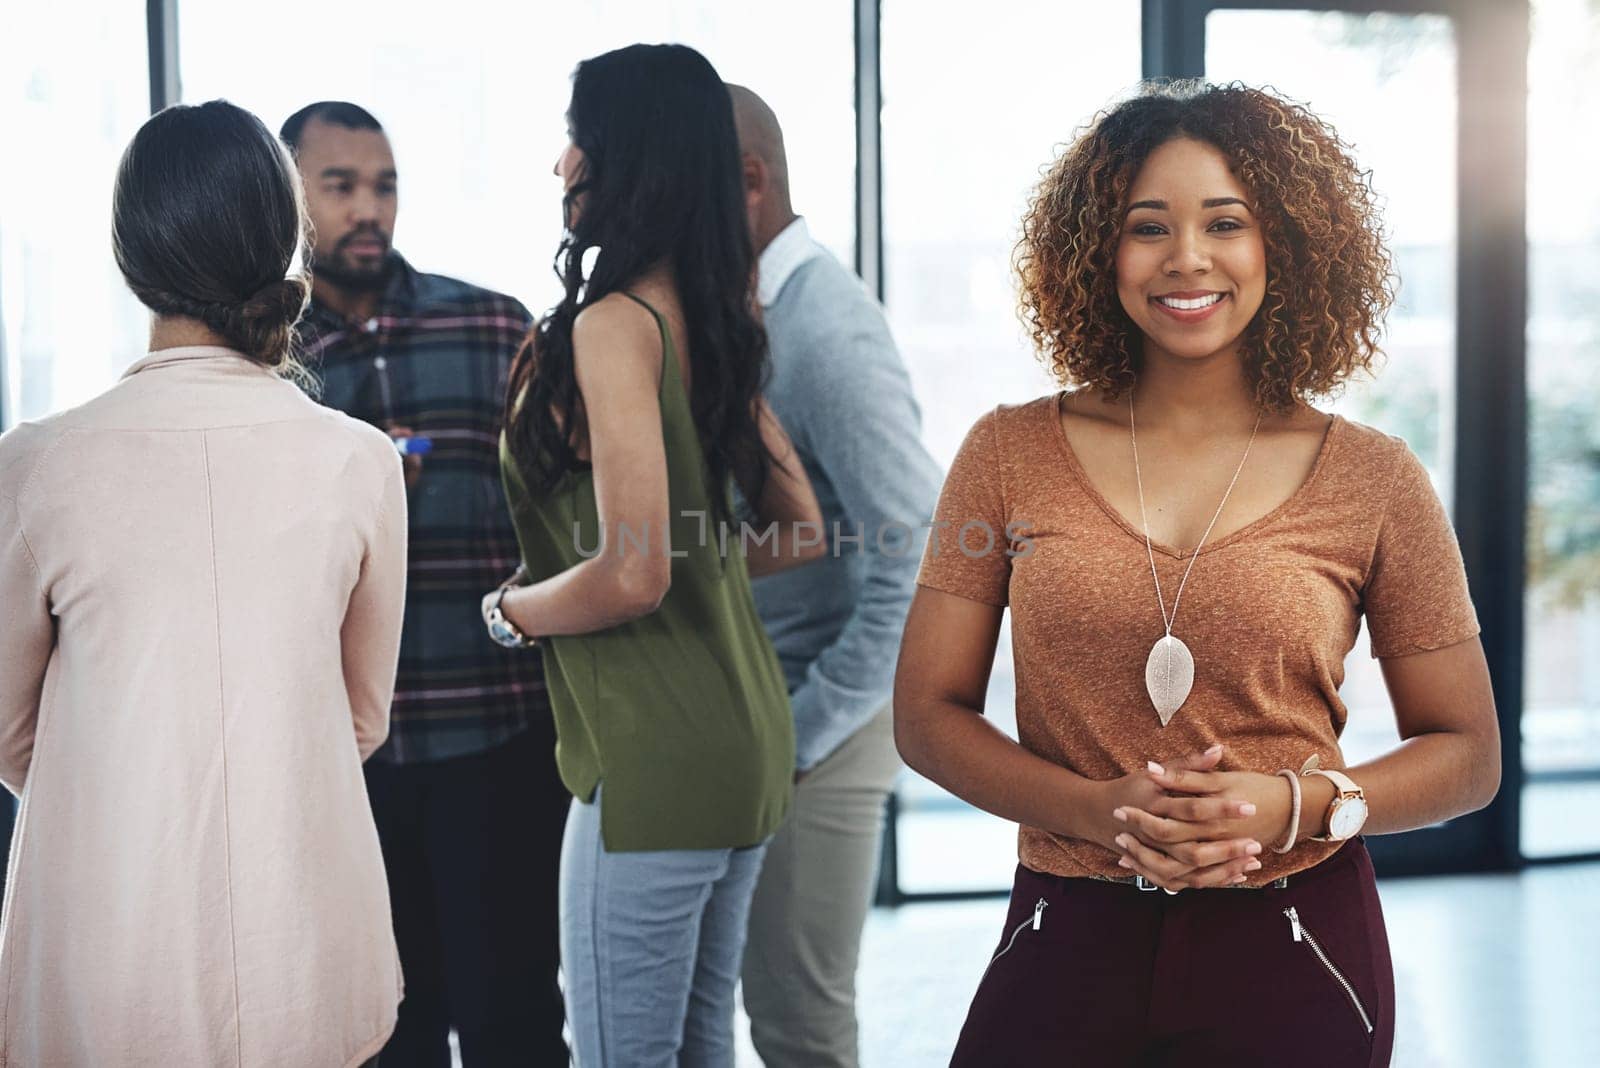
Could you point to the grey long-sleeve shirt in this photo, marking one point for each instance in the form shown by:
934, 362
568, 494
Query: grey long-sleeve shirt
842, 392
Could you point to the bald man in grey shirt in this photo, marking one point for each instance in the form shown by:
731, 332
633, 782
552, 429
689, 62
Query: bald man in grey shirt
839, 387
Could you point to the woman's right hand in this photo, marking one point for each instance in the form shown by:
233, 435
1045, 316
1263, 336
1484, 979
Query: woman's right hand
1212, 862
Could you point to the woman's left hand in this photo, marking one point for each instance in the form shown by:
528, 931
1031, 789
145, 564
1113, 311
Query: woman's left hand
1168, 842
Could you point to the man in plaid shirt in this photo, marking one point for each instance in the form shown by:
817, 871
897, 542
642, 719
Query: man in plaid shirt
467, 800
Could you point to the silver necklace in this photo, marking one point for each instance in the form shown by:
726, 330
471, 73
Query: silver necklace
1169, 670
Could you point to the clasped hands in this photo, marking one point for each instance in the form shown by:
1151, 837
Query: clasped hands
1188, 825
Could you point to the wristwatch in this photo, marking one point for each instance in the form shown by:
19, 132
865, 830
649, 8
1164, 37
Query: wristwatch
502, 630
1348, 812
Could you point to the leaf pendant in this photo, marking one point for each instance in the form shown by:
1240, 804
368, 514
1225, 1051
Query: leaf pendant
1169, 676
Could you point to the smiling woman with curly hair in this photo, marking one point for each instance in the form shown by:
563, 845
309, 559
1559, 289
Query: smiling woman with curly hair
1328, 272
1188, 548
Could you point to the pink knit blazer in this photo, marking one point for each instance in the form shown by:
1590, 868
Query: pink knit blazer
202, 575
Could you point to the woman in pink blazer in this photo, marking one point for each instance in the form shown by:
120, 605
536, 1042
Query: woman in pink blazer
201, 583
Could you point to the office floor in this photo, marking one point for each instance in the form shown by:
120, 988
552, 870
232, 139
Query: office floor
1490, 970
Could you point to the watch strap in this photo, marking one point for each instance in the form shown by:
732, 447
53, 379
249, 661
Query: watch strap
1346, 787
1345, 784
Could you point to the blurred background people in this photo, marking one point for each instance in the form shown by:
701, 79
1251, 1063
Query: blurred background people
468, 803
842, 392
636, 406
202, 575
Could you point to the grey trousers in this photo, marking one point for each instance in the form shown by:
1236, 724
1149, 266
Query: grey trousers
811, 904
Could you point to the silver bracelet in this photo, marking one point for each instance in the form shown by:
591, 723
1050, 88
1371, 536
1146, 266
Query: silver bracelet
1294, 810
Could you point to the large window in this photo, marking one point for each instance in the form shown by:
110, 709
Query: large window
73, 91
1561, 683
1386, 83
474, 97
975, 105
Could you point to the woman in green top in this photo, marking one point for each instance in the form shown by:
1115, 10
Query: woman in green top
634, 408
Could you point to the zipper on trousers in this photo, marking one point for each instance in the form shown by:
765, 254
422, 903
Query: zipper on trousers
1302, 934
1036, 921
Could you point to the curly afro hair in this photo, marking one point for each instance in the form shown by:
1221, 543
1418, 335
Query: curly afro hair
1329, 276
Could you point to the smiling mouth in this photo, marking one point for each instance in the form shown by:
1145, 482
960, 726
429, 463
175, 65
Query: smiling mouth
1190, 305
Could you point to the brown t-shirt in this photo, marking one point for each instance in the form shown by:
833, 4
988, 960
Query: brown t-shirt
1270, 611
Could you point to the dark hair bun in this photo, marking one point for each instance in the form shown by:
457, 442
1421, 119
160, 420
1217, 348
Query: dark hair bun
261, 326
258, 326
207, 221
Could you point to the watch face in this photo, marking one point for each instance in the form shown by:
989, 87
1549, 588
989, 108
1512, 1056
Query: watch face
1348, 817
503, 636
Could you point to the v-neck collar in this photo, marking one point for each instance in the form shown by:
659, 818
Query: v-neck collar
1094, 494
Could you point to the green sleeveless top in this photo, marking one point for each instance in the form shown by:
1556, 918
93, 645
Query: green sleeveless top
683, 713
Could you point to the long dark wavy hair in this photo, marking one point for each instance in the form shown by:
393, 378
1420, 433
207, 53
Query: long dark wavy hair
661, 182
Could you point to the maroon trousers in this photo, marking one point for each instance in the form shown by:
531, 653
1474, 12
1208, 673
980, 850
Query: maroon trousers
1103, 974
